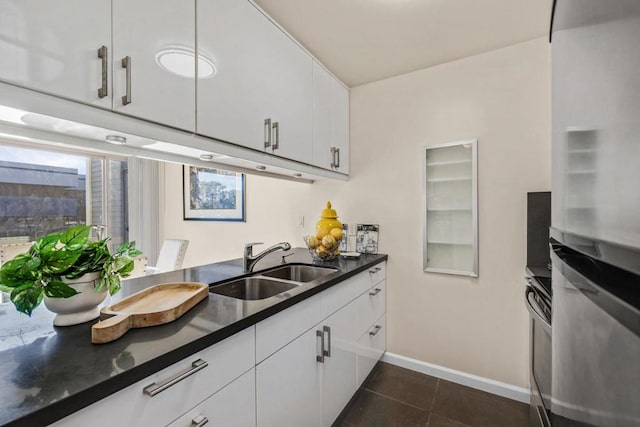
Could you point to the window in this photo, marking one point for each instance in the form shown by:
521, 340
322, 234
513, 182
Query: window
46, 191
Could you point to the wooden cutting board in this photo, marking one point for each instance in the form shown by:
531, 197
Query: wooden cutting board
153, 306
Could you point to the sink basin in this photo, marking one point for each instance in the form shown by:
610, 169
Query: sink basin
252, 288
299, 273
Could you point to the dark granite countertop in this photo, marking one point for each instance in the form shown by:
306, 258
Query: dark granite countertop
48, 372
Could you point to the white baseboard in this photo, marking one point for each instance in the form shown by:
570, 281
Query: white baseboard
474, 381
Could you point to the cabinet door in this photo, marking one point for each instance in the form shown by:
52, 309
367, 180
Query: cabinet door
159, 38
340, 128
233, 406
233, 104
339, 375
322, 117
53, 46
292, 93
288, 385
330, 121
371, 346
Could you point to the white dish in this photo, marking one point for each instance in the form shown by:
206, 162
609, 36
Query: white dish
350, 254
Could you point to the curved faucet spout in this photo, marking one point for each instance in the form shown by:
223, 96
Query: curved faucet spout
249, 260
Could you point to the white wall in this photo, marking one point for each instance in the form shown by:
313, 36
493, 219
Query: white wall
502, 98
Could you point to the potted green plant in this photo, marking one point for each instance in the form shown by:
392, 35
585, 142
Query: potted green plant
70, 272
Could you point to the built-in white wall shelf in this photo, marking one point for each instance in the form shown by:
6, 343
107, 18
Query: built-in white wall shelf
450, 209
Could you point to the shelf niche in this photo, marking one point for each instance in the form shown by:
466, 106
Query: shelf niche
450, 182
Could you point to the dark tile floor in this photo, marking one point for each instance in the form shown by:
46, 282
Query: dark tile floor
394, 396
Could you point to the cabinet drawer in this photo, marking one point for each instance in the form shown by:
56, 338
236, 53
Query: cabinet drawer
336, 297
371, 348
233, 406
226, 360
377, 273
277, 331
371, 306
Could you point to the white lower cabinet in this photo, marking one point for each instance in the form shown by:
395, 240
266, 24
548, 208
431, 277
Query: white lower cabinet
288, 384
371, 347
233, 406
339, 370
312, 357
141, 404
309, 381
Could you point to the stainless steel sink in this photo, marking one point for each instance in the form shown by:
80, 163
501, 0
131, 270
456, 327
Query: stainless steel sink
252, 288
299, 273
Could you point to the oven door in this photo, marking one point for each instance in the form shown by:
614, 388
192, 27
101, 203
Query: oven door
540, 359
596, 343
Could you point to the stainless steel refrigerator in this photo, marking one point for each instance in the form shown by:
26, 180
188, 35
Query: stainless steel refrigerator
596, 213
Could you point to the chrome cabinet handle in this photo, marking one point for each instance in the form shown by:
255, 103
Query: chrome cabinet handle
320, 358
103, 54
267, 133
153, 388
375, 270
276, 138
337, 162
375, 292
375, 331
334, 163
126, 64
327, 330
199, 421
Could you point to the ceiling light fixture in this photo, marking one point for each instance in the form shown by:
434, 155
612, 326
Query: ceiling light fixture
116, 139
180, 61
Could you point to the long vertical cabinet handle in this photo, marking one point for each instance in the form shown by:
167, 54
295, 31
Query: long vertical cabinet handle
126, 64
327, 330
333, 157
267, 133
320, 357
337, 162
276, 136
103, 54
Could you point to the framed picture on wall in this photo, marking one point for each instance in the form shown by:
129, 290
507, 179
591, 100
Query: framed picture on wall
213, 194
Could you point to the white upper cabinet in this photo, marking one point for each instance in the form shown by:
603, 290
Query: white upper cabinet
291, 91
234, 104
154, 60
53, 47
330, 121
260, 96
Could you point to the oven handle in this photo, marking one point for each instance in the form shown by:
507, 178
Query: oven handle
534, 312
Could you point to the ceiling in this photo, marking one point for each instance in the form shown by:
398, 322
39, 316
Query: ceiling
362, 41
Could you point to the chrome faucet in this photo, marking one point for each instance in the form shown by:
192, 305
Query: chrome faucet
249, 260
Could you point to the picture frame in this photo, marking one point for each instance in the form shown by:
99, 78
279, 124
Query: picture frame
211, 194
367, 238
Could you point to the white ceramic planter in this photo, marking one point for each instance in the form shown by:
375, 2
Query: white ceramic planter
81, 307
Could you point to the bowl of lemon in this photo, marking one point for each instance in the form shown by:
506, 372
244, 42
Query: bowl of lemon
323, 245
